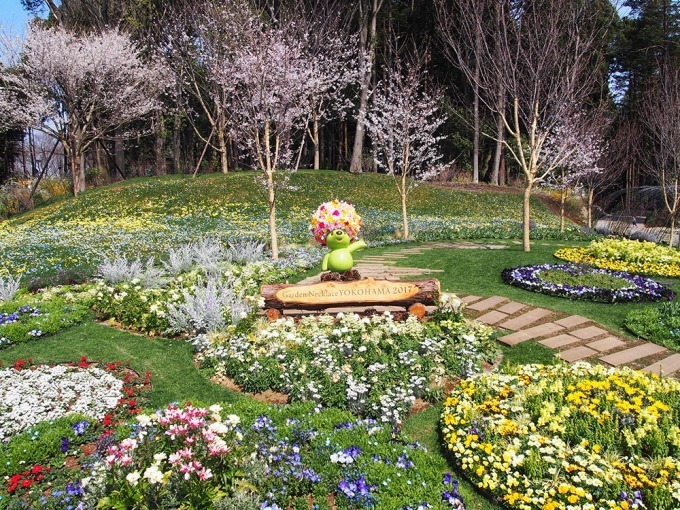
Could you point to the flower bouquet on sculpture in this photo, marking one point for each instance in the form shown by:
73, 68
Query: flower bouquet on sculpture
336, 225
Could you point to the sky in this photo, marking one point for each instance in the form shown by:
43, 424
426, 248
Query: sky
12, 15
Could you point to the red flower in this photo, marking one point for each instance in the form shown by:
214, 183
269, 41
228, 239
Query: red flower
37, 469
25, 484
107, 420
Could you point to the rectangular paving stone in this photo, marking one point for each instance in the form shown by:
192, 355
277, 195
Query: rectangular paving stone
666, 366
555, 342
572, 321
607, 344
525, 319
589, 332
529, 334
470, 299
487, 303
632, 354
492, 317
577, 353
512, 307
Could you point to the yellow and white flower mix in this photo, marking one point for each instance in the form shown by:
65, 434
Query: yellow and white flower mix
641, 257
569, 437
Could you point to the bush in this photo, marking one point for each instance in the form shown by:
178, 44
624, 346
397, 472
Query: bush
568, 436
660, 324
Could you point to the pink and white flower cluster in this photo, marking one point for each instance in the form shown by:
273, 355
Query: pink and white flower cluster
188, 443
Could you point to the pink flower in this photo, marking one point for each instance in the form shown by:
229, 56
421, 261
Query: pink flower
204, 474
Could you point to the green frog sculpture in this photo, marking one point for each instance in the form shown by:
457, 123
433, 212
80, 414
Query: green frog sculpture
336, 224
340, 257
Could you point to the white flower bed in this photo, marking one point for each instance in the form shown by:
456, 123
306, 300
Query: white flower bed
28, 397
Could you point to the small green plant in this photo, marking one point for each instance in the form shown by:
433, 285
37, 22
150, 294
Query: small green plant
660, 324
604, 281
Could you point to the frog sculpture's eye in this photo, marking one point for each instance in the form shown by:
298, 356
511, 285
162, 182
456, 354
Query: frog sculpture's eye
338, 232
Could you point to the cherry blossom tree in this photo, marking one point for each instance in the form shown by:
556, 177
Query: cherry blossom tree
87, 87
403, 124
574, 151
271, 81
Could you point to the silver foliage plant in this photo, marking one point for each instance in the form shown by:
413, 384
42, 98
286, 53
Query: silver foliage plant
9, 286
122, 269
209, 254
210, 307
180, 259
243, 251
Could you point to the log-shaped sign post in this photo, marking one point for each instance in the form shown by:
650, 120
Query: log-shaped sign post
366, 292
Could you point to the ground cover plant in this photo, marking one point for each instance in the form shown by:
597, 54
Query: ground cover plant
374, 366
576, 281
568, 436
659, 324
142, 218
642, 257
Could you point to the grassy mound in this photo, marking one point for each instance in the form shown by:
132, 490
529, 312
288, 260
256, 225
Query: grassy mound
145, 216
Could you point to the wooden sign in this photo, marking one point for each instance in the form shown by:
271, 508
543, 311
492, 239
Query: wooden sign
317, 296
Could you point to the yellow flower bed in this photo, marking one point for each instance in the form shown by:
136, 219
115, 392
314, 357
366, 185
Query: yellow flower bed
640, 257
569, 437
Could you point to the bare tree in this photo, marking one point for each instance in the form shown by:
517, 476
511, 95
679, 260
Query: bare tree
661, 117
403, 126
86, 87
544, 55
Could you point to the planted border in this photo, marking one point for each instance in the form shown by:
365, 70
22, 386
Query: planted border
641, 288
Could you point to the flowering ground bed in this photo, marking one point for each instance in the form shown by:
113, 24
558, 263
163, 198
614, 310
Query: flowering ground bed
586, 283
641, 257
374, 366
566, 437
70, 238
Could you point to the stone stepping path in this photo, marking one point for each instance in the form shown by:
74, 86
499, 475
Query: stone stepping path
574, 337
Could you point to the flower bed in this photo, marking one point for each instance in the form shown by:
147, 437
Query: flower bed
32, 394
561, 437
28, 318
374, 366
621, 287
198, 299
251, 456
641, 257
659, 324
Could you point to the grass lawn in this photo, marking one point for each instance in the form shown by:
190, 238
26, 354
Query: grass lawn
479, 272
175, 378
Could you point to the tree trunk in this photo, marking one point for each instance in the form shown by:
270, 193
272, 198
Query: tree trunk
591, 197
670, 241
315, 141
368, 42
119, 150
475, 141
563, 200
271, 196
159, 147
77, 171
526, 216
176, 145
222, 142
500, 136
404, 216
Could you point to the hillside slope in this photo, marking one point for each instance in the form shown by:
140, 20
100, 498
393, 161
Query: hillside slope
143, 217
